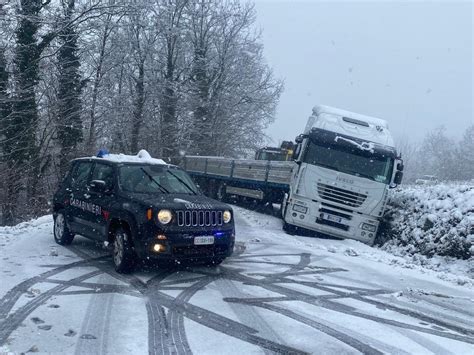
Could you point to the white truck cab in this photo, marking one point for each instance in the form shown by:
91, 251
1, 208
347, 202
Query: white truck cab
346, 162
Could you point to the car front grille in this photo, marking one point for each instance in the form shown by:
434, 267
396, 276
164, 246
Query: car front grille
195, 218
342, 196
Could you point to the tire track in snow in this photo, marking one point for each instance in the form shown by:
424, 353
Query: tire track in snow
158, 325
13, 320
13, 295
96, 322
466, 333
247, 315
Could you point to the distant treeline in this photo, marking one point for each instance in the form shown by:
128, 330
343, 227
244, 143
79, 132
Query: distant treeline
439, 155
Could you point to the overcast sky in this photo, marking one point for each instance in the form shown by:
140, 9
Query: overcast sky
409, 62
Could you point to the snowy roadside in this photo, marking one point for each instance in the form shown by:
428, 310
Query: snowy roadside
432, 220
28, 249
432, 228
278, 292
454, 271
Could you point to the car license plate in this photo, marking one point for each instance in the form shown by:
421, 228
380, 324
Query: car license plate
204, 240
330, 217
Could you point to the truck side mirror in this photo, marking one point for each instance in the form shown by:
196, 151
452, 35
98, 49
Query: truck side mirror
398, 178
400, 166
297, 152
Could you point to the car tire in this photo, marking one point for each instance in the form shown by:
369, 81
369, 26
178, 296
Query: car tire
123, 254
61, 232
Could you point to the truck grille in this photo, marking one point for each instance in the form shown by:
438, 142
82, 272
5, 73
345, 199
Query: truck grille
342, 196
194, 218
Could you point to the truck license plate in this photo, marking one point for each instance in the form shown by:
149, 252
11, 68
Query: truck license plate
332, 218
204, 240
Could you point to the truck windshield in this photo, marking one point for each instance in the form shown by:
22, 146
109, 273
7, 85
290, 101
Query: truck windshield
354, 162
275, 156
155, 179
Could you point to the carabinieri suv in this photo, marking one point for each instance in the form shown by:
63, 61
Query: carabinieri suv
145, 208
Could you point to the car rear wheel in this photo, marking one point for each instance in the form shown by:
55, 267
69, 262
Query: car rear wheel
123, 253
61, 232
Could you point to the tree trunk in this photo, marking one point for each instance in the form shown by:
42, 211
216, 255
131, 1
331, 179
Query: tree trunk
138, 112
91, 141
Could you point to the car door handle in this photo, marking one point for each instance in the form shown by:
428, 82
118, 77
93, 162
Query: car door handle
87, 196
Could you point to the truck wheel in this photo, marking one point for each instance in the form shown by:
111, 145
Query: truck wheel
62, 235
123, 253
289, 228
221, 194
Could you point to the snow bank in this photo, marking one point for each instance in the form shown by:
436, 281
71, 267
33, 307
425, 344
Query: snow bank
431, 220
26, 226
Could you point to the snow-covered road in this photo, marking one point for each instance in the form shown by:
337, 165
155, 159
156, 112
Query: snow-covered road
276, 294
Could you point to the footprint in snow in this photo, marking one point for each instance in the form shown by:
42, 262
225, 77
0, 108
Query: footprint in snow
33, 349
88, 336
53, 306
45, 327
351, 252
37, 320
70, 333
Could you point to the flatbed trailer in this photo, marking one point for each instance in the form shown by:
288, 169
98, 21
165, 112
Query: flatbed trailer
219, 177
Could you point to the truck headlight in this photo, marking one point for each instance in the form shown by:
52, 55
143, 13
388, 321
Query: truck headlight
165, 216
368, 227
300, 209
227, 216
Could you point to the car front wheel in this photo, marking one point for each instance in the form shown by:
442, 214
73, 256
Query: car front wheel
123, 252
61, 232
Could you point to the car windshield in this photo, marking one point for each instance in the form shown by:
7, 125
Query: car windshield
353, 162
155, 179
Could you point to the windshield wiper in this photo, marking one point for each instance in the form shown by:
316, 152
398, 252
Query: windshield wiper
182, 182
161, 187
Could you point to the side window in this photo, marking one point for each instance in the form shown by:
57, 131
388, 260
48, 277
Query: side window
80, 174
103, 172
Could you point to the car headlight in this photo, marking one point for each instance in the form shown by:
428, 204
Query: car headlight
165, 216
300, 209
368, 227
227, 216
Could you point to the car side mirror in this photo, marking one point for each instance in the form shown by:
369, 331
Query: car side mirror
99, 186
398, 178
